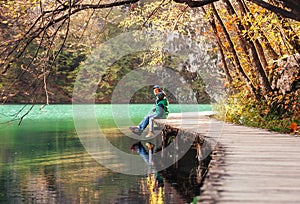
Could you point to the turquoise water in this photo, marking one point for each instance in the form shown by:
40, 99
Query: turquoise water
12, 113
43, 161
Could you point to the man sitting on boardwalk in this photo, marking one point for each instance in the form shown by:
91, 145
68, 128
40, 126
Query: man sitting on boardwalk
161, 111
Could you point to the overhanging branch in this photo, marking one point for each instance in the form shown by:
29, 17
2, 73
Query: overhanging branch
192, 4
292, 11
284, 13
95, 6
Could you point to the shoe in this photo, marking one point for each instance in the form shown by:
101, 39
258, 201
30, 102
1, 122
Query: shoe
150, 134
136, 130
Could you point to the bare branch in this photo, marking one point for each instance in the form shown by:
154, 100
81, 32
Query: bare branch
95, 6
153, 12
23, 116
88, 21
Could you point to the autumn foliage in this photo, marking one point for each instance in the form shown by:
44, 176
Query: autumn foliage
257, 50
294, 128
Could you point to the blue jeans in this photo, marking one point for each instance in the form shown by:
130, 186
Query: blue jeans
143, 153
144, 123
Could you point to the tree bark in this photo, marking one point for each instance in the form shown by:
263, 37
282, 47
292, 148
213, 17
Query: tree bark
235, 56
255, 55
258, 46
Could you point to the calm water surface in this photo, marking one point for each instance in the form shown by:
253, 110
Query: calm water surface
43, 160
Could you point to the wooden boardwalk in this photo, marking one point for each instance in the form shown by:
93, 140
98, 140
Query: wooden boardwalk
249, 165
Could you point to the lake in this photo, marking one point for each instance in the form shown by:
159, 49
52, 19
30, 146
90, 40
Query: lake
43, 159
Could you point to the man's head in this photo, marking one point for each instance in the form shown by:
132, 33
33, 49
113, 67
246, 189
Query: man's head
156, 89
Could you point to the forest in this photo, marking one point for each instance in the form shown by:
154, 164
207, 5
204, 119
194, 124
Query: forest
254, 44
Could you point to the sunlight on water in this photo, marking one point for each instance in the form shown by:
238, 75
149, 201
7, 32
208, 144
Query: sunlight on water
43, 160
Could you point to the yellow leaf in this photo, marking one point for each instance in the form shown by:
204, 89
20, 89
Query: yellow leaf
274, 21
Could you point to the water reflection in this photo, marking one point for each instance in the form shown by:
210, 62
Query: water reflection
47, 164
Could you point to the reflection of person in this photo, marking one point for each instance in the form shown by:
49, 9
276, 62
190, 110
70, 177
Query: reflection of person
141, 150
163, 112
146, 155
159, 182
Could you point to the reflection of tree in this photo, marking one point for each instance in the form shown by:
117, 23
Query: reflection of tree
188, 175
69, 178
41, 187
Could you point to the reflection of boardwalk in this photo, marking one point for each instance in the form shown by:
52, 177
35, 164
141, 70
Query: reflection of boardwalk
249, 165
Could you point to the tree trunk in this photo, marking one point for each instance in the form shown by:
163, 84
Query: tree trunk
243, 42
261, 55
256, 56
268, 47
212, 23
258, 46
235, 56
